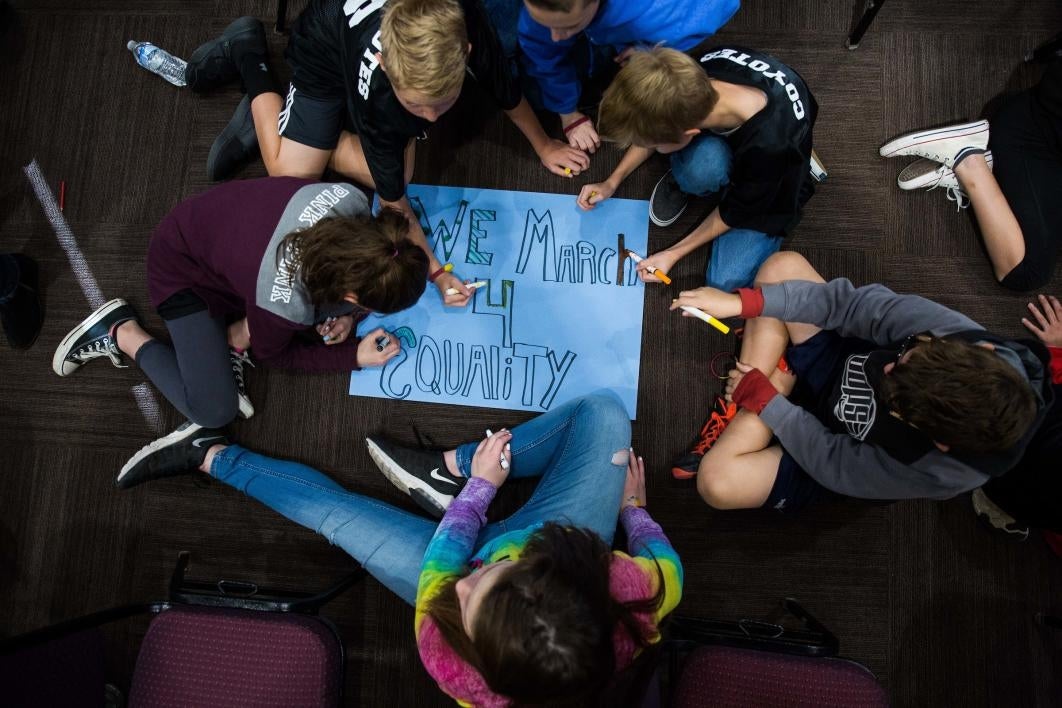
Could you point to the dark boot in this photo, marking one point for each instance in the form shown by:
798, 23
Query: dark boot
20, 306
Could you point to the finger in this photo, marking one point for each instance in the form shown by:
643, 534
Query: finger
1049, 310
1039, 317
580, 158
557, 169
389, 355
1032, 328
743, 367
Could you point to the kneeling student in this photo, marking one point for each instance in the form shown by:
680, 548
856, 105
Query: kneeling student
738, 126
257, 263
884, 396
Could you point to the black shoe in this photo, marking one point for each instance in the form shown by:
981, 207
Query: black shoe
20, 305
1048, 51
668, 201
216, 63
235, 146
419, 473
180, 452
92, 338
238, 360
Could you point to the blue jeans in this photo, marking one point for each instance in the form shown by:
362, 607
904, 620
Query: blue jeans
702, 168
579, 450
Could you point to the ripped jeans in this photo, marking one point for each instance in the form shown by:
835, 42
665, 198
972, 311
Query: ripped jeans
579, 450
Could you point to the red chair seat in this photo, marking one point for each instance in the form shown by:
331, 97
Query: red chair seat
199, 657
721, 677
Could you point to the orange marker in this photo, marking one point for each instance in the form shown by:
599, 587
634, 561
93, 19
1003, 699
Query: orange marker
660, 275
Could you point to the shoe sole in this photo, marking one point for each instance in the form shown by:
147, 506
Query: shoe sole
230, 131
59, 362
679, 473
931, 178
246, 409
425, 497
233, 31
921, 137
175, 437
657, 220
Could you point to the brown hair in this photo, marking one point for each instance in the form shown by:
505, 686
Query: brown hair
371, 257
962, 395
543, 633
424, 44
657, 96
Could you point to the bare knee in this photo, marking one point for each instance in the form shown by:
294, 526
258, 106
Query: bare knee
715, 483
786, 265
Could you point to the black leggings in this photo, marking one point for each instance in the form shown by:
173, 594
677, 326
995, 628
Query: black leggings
194, 373
1026, 149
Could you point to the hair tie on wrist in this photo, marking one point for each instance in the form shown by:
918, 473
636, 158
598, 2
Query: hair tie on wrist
576, 124
445, 269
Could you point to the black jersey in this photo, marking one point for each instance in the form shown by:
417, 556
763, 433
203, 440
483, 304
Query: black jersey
332, 53
769, 179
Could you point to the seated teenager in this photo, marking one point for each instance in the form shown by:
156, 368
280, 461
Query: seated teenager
529, 610
883, 396
368, 79
1030, 495
1012, 175
550, 32
738, 126
257, 263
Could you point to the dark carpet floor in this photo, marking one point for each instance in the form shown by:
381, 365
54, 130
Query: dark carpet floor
941, 610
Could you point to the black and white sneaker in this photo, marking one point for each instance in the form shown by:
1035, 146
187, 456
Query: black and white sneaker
419, 473
92, 338
989, 512
180, 452
235, 146
668, 201
238, 360
213, 64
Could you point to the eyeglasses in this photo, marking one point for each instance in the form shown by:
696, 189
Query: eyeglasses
912, 343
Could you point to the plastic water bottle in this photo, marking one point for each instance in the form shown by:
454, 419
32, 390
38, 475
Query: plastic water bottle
159, 61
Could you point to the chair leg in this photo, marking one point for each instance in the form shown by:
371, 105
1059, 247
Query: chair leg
869, 14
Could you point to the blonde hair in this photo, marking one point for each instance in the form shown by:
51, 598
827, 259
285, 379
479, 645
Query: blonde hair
655, 98
425, 46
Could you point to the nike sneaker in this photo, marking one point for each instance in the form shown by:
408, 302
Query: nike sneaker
668, 201
686, 466
180, 452
420, 473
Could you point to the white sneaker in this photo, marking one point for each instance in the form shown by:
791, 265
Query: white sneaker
929, 175
944, 145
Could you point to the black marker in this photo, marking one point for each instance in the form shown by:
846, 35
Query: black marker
381, 342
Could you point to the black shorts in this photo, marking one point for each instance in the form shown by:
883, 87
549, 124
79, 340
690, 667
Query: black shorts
181, 304
815, 364
311, 121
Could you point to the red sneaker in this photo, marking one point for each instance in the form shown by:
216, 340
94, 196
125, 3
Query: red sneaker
686, 466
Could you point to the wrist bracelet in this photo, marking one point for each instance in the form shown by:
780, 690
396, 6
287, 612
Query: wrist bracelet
577, 123
445, 269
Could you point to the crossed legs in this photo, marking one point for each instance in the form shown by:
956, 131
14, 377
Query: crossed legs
740, 469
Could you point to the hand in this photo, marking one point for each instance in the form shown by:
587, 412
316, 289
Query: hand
716, 303
448, 280
623, 56
593, 194
1049, 330
335, 330
634, 487
662, 261
487, 461
367, 354
583, 136
736, 374
556, 156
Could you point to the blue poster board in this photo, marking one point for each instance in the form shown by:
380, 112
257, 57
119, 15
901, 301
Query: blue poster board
551, 325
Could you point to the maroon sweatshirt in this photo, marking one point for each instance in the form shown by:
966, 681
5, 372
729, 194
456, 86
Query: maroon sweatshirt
222, 245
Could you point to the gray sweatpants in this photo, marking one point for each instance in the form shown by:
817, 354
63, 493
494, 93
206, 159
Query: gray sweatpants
194, 373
